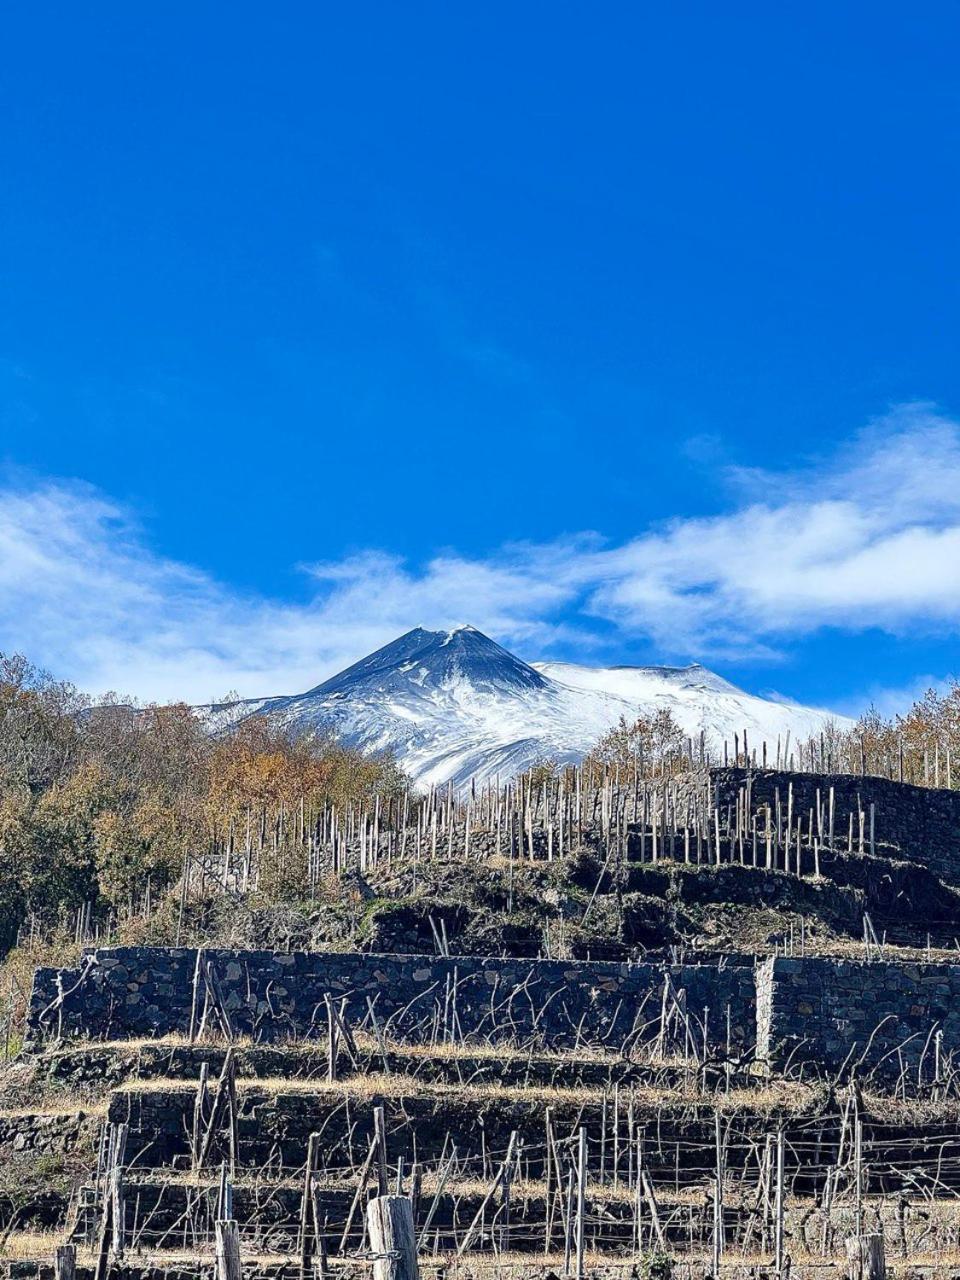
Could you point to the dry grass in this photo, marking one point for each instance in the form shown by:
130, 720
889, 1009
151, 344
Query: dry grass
854, 949
173, 1040
918, 1111
39, 1247
79, 1045
366, 1042
780, 1097
497, 1052
765, 1097
65, 1107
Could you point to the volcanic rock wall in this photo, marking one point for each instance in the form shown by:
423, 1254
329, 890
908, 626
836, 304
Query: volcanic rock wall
918, 824
820, 1011
128, 992
870, 1015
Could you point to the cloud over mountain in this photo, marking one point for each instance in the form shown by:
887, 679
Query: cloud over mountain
867, 537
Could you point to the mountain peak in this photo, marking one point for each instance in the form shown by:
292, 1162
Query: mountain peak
454, 705
421, 661
464, 627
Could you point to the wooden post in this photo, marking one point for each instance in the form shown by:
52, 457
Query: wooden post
858, 1173
224, 1094
197, 969
827, 1206
638, 1215
865, 1257
305, 1203
331, 1039
232, 1117
651, 1198
392, 1238
442, 1179
65, 1262
504, 1246
778, 1239
115, 1191
105, 1163
224, 1195
200, 1109
321, 1269
718, 1199
380, 1136
184, 883
568, 1226
581, 1203
549, 1177
228, 1250
361, 1187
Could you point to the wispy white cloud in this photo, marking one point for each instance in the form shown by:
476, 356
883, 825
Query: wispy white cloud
867, 538
891, 700
870, 537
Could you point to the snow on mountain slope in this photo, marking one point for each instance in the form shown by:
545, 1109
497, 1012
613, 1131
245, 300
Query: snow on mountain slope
454, 705
699, 700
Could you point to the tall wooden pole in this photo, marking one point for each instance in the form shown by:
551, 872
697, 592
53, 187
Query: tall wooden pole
778, 1239
581, 1203
380, 1133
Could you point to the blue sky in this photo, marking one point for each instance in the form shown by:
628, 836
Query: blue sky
626, 334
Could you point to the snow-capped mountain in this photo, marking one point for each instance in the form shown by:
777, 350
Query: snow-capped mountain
454, 705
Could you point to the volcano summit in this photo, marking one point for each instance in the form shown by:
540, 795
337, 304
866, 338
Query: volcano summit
455, 706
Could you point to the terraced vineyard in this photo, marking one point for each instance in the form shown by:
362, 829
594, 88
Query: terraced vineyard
702, 1110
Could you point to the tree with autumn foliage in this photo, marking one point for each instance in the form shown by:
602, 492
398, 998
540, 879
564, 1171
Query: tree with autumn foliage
923, 744
650, 746
99, 800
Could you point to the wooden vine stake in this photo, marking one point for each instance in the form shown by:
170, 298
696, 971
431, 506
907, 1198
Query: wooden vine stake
228, 1250
65, 1262
581, 1240
865, 1257
392, 1238
779, 1254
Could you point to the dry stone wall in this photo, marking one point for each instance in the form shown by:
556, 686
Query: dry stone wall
868, 1017
918, 824
831, 1013
126, 992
